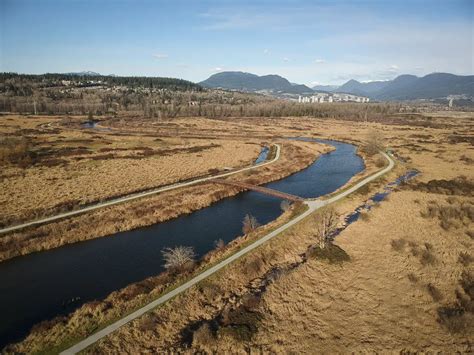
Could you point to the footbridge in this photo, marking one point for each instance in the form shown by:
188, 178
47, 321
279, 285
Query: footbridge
263, 190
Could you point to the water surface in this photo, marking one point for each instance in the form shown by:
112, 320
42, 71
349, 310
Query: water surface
46, 284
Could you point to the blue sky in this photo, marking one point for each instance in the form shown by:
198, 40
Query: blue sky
309, 42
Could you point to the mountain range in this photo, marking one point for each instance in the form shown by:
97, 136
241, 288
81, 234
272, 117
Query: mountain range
84, 73
272, 84
403, 87
411, 87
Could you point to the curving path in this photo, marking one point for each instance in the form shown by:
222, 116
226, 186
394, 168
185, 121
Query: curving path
135, 196
313, 205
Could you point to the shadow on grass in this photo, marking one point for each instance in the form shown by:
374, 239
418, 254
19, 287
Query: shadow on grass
331, 253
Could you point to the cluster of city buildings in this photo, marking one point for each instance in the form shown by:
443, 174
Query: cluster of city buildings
332, 97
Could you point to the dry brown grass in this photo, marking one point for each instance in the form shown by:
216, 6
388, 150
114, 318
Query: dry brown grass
150, 210
85, 166
405, 288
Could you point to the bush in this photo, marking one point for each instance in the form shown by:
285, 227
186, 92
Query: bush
398, 244
285, 205
454, 215
465, 258
332, 253
203, 336
253, 267
434, 292
373, 143
249, 224
380, 162
148, 322
458, 186
412, 277
178, 258
454, 318
427, 257
459, 317
240, 323
15, 151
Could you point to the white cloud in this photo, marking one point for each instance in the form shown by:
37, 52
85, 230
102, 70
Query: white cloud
217, 69
393, 68
320, 61
160, 56
286, 59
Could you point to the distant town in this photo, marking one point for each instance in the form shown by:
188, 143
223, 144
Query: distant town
331, 97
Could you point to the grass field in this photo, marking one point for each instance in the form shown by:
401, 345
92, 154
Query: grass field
400, 279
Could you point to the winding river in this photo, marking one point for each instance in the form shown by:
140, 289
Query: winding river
46, 284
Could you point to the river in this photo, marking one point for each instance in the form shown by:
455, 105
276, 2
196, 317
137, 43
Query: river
41, 286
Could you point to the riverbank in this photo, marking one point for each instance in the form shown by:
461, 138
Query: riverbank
332, 185
400, 284
392, 270
150, 210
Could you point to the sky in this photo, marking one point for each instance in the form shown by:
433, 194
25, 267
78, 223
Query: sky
309, 42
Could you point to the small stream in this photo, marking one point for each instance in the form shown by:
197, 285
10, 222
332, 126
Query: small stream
379, 197
46, 284
263, 155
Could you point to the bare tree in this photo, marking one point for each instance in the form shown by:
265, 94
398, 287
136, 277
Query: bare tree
178, 257
285, 205
250, 223
374, 142
326, 226
219, 244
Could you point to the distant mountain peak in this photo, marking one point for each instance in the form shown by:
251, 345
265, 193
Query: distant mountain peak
411, 87
271, 83
84, 73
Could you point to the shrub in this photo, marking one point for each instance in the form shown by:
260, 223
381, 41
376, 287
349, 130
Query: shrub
434, 292
285, 205
178, 258
458, 186
148, 322
453, 318
254, 266
427, 257
373, 143
364, 216
414, 248
203, 336
332, 253
398, 244
412, 277
249, 224
380, 161
15, 151
219, 244
240, 323
454, 215
459, 317
465, 258
209, 289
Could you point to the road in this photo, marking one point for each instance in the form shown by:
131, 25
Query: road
135, 196
313, 206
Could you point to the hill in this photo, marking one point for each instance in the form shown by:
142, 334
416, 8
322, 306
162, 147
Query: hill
84, 73
235, 80
92, 79
411, 87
